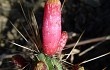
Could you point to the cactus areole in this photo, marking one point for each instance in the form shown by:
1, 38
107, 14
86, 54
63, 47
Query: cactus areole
51, 29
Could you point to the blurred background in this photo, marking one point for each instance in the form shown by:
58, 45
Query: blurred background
90, 16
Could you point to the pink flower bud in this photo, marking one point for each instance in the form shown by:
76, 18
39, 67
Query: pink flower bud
51, 29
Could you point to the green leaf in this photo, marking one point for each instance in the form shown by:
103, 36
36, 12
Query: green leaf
57, 64
49, 63
41, 57
46, 60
